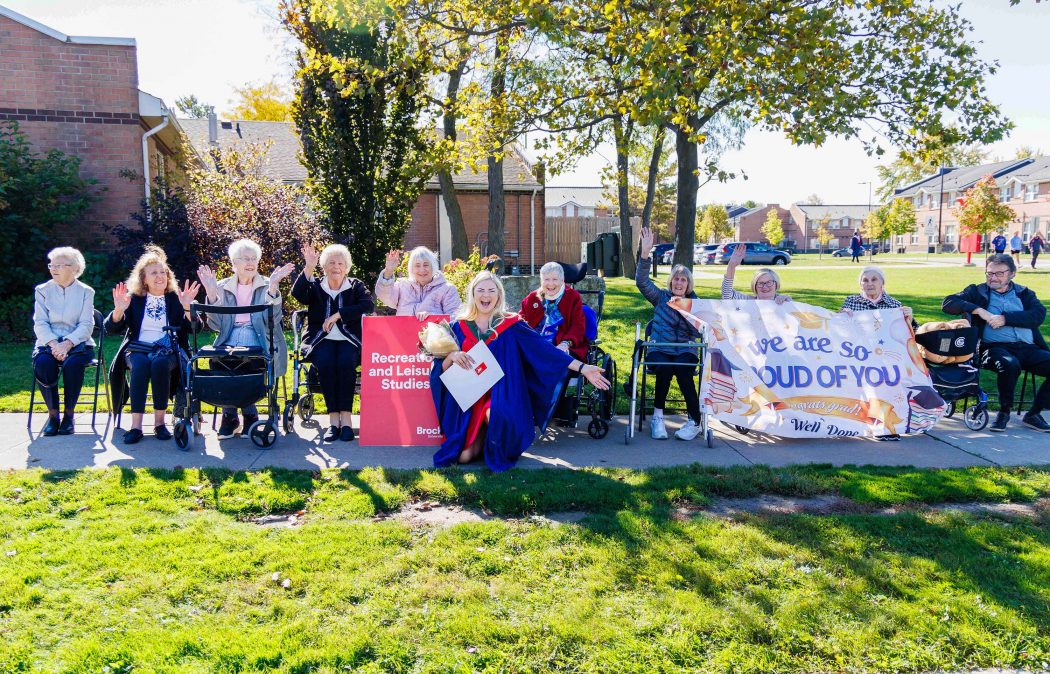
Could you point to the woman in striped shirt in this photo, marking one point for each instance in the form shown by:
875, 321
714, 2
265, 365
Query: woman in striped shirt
765, 283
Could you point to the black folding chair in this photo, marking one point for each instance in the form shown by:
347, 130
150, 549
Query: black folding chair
98, 362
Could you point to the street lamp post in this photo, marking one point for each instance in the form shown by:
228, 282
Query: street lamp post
868, 214
940, 209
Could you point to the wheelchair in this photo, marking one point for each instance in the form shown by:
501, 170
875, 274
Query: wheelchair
578, 394
236, 376
305, 383
641, 367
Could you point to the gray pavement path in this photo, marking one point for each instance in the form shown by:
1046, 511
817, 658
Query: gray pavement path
949, 445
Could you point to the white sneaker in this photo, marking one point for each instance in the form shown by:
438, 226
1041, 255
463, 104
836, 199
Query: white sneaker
657, 429
689, 431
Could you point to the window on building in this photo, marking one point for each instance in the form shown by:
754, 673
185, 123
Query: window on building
1031, 191
1004, 193
917, 200
1030, 226
950, 234
952, 196
914, 238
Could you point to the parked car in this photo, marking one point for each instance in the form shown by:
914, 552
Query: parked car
789, 246
704, 253
661, 250
755, 253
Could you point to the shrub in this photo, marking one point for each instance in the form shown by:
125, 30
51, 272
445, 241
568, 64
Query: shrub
459, 272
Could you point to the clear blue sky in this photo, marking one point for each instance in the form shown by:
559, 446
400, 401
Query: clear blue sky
207, 47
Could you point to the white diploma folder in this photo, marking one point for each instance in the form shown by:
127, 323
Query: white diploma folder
467, 386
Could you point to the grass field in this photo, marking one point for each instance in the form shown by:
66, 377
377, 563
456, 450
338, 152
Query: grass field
922, 288
163, 571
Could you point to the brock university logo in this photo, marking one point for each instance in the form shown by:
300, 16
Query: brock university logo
480, 368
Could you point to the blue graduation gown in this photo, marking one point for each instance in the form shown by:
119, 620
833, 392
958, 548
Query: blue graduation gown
533, 378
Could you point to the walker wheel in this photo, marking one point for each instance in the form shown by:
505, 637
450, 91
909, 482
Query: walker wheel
263, 434
949, 410
306, 406
976, 417
742, 430
288, 417
183, 434
598, 428
710, 436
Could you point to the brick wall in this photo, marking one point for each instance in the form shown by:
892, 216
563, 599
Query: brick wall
80, 99
749, 227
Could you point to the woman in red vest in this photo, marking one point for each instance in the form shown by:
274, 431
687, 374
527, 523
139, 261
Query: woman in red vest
556, 312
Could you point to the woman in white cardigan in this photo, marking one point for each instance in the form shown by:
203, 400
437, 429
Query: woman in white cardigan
63, 320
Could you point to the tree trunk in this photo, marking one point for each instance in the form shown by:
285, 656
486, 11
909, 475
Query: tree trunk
497, 199
650, 185
688, 185
622, 133
460, 248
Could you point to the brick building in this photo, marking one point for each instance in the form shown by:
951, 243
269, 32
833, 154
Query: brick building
524, 194
1024, 185
80, 95
840, 219
748, 224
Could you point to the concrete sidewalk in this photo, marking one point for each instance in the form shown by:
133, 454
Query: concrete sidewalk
950, 445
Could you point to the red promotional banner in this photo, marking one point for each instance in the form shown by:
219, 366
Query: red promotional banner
397, 407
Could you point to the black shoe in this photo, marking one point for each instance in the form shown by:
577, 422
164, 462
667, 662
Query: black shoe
228, 427
51, 427
999, 425
1036, 421
66, 427
162, 432
347, 434
332, 435
247, 426
132, 436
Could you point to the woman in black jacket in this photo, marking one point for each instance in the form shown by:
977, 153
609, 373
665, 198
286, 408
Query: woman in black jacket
142, 307
335, 304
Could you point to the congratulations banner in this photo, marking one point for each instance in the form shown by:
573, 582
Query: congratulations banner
799, 371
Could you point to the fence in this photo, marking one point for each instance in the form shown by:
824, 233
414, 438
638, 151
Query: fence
565, 235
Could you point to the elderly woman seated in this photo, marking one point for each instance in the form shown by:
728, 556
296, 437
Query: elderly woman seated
424, 292
335, 304
873, 294
143, 306
556, 312
63, 320
765, 283
245, 288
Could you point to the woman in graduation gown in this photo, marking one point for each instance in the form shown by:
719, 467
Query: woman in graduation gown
501, 425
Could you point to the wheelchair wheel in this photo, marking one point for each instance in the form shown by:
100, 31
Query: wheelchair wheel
976, 417
288, 417
263, 434
598, 428
306, 406
183, 434
742, 430
949, 411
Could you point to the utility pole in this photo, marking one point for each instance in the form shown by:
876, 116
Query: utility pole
868, 214
940, 209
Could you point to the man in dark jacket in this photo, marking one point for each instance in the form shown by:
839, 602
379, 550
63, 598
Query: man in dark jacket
1007, 317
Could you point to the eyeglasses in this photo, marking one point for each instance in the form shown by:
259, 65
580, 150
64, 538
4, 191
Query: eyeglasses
55, 267
997, 274
766, 284
246, 260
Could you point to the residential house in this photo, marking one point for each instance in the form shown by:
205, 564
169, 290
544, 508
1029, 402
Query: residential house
840, 219
577, 202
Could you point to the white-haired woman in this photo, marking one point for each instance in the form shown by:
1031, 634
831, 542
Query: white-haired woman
63, 320
424, 292
873, 294
670, 326
556, 312
335, 304
501, 425
245, 288
765, 283
143, 306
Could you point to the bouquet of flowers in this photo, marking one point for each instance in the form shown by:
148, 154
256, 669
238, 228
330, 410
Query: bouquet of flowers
437, 340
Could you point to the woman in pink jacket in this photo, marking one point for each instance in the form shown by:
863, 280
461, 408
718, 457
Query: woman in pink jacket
424, 292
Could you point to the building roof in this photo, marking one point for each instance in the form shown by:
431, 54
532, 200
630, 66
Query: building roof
587, 196
1037, 171
62, 37
736, 211
836, 211
282, 160
957, 179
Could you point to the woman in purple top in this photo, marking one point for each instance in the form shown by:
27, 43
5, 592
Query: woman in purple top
424, 292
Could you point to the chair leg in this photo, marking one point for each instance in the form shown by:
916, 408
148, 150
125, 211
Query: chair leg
32, 402
94, 398
1024, 387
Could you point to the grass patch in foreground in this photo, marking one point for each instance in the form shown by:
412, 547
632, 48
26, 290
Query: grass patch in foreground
135, 571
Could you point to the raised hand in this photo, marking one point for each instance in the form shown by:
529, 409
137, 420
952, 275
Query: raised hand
121, 298
281, 273
207, 277
646, 239
393, 258
310, 256
738, 255
188, 293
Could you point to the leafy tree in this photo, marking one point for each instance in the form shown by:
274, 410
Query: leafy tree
359, 97
874, 228
813, 199
824, 237
265, 102
981, 211
900, 218
650, 142
191, 107
1028, 152
750, 203
42, 197
714, 224
773, 227
913, 165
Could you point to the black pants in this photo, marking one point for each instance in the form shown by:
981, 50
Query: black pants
684, 373
856, 257
1035, 256
146, 371
46, 368
336, 365
1009, 360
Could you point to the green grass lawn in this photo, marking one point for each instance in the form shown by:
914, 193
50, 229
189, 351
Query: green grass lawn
162, 571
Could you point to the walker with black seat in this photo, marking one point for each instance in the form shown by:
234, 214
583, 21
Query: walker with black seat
235, 376
950, 356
